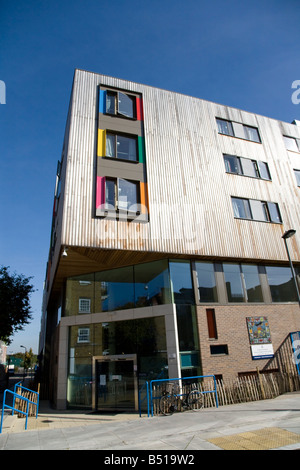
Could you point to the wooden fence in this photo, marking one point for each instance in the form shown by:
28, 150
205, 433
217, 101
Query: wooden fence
22, 404
240, 390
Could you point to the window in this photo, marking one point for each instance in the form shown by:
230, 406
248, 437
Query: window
241, 208
281, 284
290, 143
249, 167
127, 195
297, 175
252, 283
233, 281
225, 127
220, 349
119, 103
83, 335
246, 167
121, 194
121, 146
256, 210
251, 133
263, 169
211, 323
152, 284
274, 213
242, 283
181, 282
232, 164
206, 282
236, 129
84, 305
259, 210
116, 288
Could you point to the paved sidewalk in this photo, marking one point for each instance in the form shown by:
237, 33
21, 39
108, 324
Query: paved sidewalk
261, 425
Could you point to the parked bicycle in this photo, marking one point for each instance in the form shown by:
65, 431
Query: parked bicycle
175, 401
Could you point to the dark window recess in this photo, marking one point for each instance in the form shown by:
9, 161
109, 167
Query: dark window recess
211, 323
219, 349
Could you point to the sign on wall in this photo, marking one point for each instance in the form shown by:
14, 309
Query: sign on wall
260, 337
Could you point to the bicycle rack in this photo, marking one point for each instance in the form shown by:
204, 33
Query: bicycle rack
149, 388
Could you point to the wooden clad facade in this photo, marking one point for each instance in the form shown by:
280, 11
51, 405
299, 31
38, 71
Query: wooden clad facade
189, 191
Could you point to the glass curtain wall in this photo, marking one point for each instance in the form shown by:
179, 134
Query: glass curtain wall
242, 283
207, 286
281, 284
119, 289
145, 337
183, 298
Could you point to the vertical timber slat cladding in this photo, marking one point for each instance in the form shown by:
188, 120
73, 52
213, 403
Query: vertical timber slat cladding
189, 191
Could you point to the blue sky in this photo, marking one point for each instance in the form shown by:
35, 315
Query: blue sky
243, 54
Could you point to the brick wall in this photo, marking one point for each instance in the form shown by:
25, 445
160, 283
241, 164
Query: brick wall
232, 330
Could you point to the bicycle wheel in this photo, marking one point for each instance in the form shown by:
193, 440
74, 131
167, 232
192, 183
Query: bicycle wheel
195, 400
167, 405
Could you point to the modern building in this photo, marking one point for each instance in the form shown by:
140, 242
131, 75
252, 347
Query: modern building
167, 256
3, 352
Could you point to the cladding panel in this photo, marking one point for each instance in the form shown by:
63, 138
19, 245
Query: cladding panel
189, 192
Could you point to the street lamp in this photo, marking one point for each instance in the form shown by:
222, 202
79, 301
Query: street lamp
288, 234
21, 346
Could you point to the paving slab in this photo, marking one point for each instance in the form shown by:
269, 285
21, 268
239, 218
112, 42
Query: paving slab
260, 425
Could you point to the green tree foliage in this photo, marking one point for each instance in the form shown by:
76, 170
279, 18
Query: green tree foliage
15, 307
30, 359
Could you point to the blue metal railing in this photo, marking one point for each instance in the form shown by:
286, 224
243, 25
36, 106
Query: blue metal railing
21, 397
146, 397
141, 400
149, 388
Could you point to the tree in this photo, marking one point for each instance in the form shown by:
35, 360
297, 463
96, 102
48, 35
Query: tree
15, 306
30, 359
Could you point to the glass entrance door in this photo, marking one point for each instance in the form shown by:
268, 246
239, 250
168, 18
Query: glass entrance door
115, 382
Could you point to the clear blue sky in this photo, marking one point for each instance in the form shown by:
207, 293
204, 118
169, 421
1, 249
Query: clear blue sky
239, 53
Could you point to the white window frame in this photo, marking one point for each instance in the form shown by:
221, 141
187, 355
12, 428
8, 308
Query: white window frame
83, 335
84, 301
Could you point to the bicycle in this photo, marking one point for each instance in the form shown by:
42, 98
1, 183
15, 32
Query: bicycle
172, 401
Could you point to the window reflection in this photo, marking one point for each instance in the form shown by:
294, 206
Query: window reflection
116, 288
206, 282
152, 285
145, 337
233, 280
281, 284
78, 288
252, 283
181, 282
